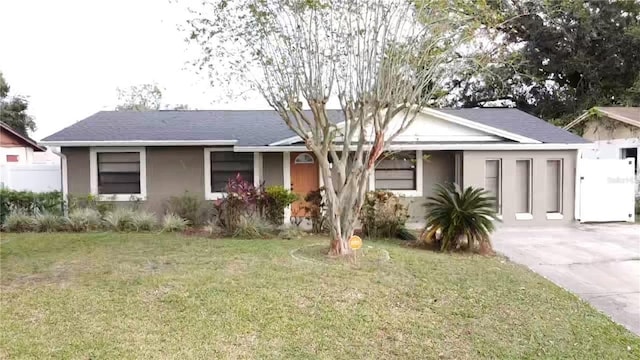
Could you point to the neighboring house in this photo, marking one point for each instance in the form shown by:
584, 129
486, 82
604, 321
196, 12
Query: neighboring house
615, 133
526, 162
16, 148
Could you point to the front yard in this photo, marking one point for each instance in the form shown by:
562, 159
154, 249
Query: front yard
107, 295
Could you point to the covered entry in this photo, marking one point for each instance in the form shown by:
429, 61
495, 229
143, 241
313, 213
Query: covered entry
305, 177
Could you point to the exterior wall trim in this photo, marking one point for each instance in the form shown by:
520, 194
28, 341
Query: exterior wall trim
210, 195
408, 193
140, 143
450, 146
93, 173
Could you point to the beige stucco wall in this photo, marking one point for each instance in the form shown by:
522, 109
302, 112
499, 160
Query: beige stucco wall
77, 170
170, 171
595, 131
474, 175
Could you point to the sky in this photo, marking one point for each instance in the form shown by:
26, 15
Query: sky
69, 56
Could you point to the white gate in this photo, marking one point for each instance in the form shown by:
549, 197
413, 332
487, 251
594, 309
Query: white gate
605, 190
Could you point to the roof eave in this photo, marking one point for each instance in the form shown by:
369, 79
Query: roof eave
76, 143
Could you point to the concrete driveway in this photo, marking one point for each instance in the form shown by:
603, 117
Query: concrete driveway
600, 263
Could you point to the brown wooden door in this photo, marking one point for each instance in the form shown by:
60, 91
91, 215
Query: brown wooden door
304, 178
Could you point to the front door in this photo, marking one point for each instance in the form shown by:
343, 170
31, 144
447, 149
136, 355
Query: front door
304, 178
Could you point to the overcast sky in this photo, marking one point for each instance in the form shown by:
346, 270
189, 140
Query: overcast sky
69, 56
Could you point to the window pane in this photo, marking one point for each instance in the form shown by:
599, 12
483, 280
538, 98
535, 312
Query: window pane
396, 172
119, 173
492, 181
523, 186
119, 167
554, 186
119, 157
226, 165
119, 188
395, 185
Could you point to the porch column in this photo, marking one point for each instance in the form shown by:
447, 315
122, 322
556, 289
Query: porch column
286, 176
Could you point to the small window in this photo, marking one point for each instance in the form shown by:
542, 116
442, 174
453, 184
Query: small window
493, 181
13, 158
118, 173
523, 186
554, 186
226, 165
396, 171
304, 158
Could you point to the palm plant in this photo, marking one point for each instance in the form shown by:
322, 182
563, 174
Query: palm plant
460, 214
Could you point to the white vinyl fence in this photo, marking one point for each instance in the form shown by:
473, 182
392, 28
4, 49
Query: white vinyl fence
605, 190
31, 177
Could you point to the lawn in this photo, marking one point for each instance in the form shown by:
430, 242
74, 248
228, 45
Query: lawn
106, 295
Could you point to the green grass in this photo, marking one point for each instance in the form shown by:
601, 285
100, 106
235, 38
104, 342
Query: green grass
105, 295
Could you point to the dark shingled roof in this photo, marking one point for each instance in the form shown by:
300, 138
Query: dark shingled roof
518, 122
262, 127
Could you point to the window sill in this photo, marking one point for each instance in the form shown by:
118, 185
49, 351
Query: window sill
554, 216
121, 197
405, 193
214, 196
524, 216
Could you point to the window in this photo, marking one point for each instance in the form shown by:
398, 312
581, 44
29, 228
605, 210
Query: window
304, 158
222, 164
554, 186
630, 153
493, 181
13, 158
397, 171
523, 189
118, 173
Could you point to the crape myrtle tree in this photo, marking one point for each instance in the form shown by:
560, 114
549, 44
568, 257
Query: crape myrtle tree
381, 59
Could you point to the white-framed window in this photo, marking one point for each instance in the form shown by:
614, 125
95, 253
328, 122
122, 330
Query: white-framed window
399, 172
523, 191
222, 164
493, 181
118, 173
554, 189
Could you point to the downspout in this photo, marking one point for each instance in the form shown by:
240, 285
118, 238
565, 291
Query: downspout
65, 180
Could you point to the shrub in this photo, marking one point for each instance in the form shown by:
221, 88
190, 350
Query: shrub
189, 207
242, 200
89, 202
253, 227
19, 221
173, 223
383, 215
45, 222
84, 219
316, 210
29, 202
465, 217
144, 221
120, 219
276, 199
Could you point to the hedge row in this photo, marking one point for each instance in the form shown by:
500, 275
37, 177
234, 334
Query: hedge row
30, 202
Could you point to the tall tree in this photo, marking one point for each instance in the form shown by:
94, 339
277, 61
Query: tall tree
374, 56
13, 110
144, 97
569, 56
